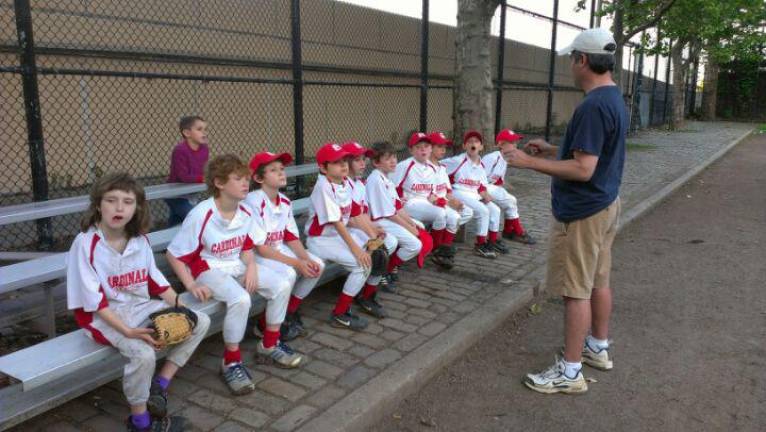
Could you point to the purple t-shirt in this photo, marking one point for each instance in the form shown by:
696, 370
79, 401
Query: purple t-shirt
187, 165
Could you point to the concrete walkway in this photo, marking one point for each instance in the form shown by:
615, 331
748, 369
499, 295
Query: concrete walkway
350, 379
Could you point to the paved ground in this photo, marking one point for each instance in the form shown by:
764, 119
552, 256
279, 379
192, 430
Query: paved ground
689, 328
430, 305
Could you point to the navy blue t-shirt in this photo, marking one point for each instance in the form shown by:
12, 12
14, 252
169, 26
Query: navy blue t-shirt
598, 127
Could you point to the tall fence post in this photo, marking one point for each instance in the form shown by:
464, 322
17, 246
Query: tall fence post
652, 101
424, 68
295, 15
34, 119
551, 72
500, 71
667, 83
637, 83
592, 13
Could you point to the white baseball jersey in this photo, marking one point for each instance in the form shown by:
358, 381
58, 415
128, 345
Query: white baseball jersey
381, 195
359, 193
99, 276
495, 167
465, 175
414, 180
208, 241
442, 184
274, 222
330, 202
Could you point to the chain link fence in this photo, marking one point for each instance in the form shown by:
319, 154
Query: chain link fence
112, 78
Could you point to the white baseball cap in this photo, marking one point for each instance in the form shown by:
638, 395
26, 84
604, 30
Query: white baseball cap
591, 41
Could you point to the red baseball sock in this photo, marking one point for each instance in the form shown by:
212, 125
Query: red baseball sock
270, 338
493, 236
368, 291
438, 236
343, 304
230, 357
480, 239
508, 226
448, 238
295, 303
394, 262
517, 228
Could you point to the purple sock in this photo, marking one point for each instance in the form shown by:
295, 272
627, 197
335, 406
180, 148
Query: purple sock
141, 421
162, 381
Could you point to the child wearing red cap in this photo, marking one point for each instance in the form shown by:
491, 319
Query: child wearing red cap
457, 213
280, 251
357, 165
469, 185
415, 180
495, 167
331, 213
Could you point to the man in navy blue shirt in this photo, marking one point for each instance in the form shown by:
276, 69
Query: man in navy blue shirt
586, 176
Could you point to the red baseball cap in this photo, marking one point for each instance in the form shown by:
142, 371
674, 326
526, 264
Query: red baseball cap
355, 149
507, 135
418, 137
472, 133
330, 152
438, 138
265, 158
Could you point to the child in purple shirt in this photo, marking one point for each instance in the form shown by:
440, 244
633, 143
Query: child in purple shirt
187, 164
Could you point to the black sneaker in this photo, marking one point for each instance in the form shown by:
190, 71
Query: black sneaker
371, 307
499, 247
348, 321
484, 250
443, 258
394, 275
292, 327
525, 238
157, 404
388, 284
165, 424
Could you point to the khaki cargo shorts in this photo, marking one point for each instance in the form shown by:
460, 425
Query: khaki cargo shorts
580, 253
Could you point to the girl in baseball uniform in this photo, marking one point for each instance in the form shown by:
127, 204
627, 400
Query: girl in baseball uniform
457, 213
280, 251
386, 208
415, 180
331, 214
112, 281
212, 255
495, 167
469, 185
357, 166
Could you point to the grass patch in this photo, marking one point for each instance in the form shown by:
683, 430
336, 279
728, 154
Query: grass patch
640, 147
762, 128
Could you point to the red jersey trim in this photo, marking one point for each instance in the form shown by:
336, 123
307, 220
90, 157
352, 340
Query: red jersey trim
400, 188
196, 264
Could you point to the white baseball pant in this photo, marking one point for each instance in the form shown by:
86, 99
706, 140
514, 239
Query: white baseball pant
504, 200
487, 215
301, 286
333, 248
426, 212
409, 244
142, 358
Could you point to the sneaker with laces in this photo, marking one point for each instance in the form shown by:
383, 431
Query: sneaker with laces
238, 378
443, 257
371, 307
484, 250
280, 355
499, 247
388, 284
597, 357
525, 238
164, 424
292, 327
157, 404
348, 321
554, 380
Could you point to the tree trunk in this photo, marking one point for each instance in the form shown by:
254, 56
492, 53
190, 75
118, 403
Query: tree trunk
620, 42
473, 68
679, 87
710, 89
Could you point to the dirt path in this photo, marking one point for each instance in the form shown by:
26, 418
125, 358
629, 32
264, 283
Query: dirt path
689, 328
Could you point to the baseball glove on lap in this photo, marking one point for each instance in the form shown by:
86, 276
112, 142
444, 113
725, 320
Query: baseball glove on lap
173, 325
379, 255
